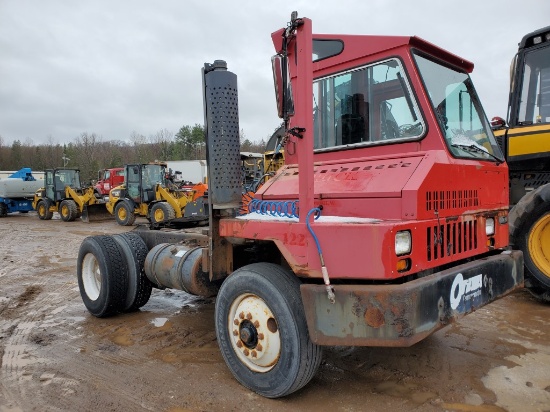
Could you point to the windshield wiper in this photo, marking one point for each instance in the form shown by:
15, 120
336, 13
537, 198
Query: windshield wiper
474, 148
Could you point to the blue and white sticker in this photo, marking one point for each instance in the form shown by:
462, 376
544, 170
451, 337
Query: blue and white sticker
465, 290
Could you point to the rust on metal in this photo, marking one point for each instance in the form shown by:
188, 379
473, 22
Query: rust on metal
402, 314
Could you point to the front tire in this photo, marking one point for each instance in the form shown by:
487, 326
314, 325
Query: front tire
530, 232
102, 274
68, 210
162, 212
262, 330
124, 214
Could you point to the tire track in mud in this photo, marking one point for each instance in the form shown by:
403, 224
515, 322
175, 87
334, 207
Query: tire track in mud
28, 316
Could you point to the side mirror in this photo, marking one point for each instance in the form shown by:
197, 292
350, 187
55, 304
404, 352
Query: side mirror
497, 123
283, 89
277, 67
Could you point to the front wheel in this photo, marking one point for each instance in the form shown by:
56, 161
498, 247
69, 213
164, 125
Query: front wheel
530, 232
162, 212
68, 210
262, 330
124, 214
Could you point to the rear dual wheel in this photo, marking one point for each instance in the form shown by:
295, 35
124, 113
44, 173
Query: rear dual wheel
262, 331
110, 274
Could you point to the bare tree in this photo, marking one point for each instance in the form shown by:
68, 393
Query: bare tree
162, 142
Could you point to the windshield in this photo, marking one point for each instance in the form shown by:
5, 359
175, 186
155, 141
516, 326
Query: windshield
67, 178
459, 113
152, 174
535, 90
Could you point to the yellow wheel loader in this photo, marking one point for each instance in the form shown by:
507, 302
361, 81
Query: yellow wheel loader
148, 193
525, 140
63, 193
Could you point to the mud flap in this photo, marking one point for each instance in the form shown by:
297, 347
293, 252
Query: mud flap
95, 213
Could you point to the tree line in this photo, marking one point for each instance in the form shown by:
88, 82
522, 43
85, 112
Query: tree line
90, 153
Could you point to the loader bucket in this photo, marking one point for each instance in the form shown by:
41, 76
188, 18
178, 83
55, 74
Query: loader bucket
95, 213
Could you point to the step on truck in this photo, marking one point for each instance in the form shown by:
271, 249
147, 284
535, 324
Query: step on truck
388, 221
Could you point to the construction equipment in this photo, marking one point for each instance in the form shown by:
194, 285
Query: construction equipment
146, 192
16, 192
108, 179
525, 140
388, 221
63, 193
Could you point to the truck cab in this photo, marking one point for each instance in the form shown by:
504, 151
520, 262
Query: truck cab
108, 179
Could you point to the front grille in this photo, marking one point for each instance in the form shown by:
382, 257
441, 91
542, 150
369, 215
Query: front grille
451, 239
451, 199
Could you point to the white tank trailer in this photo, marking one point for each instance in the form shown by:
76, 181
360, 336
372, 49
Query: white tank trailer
17, 191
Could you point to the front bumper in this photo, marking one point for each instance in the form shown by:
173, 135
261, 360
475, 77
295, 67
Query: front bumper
401, 315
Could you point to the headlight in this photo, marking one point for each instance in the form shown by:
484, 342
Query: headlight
489, 226
403, 242
115, 193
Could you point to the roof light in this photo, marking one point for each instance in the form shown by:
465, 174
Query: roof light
537, 40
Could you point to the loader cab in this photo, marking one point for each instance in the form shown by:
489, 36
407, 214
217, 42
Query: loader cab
141, 181
56, 180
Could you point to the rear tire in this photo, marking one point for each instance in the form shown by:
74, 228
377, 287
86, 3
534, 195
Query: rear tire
102, 274
124, 214
162, 212
68, 210
262, 331
43, 209
139, 287
3, 210
530, 232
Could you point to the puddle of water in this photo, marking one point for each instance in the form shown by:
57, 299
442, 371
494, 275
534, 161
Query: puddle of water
122, 337
159, 322
525, 387
405, 390
471, 408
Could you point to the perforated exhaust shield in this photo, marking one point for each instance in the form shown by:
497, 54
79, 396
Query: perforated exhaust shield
222, 135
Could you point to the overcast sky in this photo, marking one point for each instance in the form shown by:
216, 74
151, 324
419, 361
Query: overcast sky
114, 67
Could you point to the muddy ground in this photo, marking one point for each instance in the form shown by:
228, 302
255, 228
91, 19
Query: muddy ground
55, 356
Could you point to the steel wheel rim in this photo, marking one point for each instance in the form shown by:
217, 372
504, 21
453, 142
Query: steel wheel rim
91, 276
122, 213
539, 236
159, 215
250, 315
42, 209
65, 210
